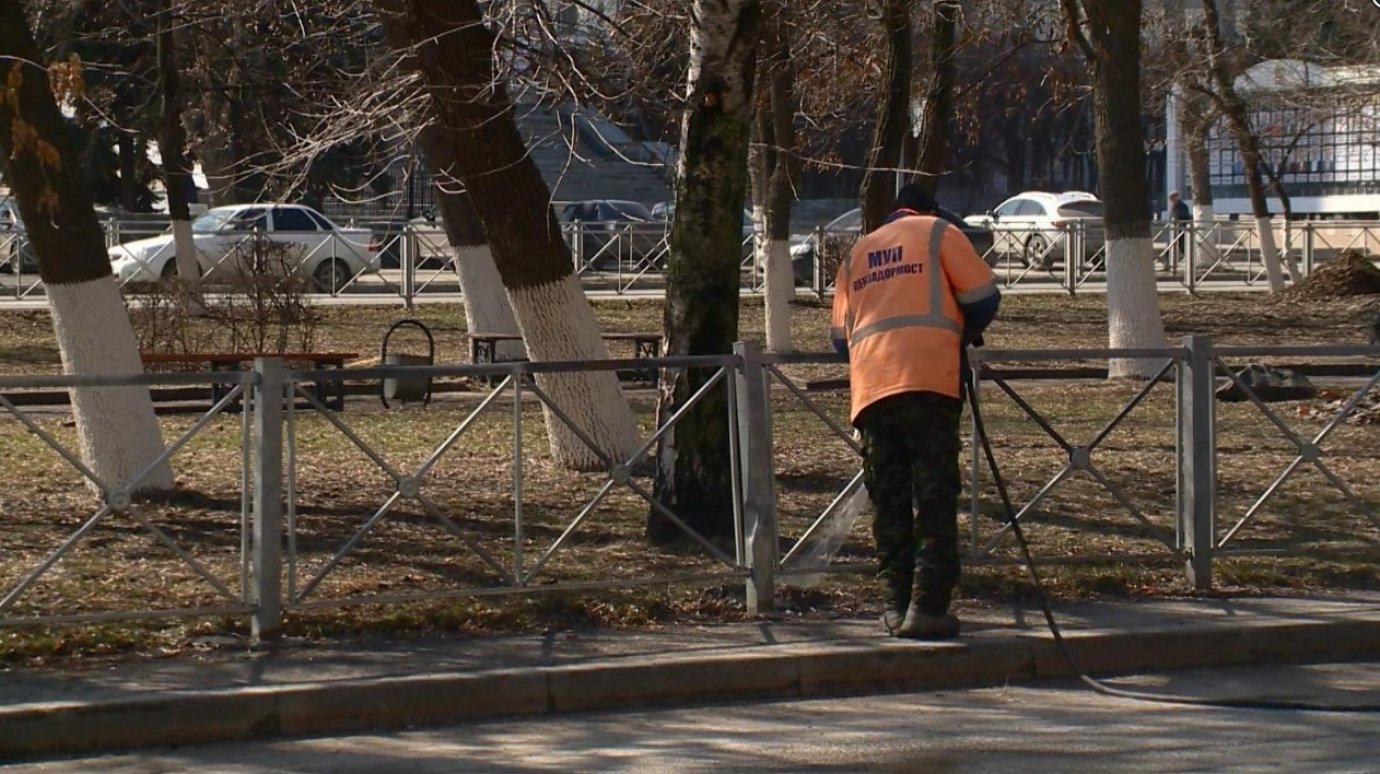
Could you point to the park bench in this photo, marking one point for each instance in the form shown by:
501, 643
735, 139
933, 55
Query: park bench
330, 393
484, 349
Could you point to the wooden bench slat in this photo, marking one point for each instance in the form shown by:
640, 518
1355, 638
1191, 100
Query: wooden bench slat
228, 357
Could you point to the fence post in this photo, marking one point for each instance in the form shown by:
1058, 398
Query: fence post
267, 621
1307, 248
1073, 255
1195, 244
817, 258
758, 477
1198, 459
408, 249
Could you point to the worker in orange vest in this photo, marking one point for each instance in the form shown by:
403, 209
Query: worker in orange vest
911, 295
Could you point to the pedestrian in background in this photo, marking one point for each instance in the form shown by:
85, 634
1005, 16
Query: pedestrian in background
1179, 216
907, 300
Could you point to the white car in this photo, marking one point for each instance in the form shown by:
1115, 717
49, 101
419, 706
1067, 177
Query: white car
1034, 225
328, 255
846, 228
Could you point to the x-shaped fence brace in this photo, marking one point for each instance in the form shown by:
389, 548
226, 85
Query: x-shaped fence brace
1224, 260
1363, 236
122, 500
12, 246
1308, 451
1079, 457
410, 486
447, 265
307, 255
1010, 242
839, 499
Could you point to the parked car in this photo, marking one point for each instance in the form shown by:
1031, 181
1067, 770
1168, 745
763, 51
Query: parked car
841, 232
15, 250
327, 255
664, 212
613, 230
1033, 225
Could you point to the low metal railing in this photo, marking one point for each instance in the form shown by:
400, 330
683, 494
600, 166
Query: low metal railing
300, 547
414, 261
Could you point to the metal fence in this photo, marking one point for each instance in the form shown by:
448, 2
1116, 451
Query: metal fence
1193, 256
403, 263
505, 524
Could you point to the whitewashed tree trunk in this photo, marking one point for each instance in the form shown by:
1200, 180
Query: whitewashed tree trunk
487, 308
780, 291
772, 257
558, 323
1269, 254
476, 140
1133, 310
1235, 111
188, 271
1206, 234
773, 167
1111, 46
116, 428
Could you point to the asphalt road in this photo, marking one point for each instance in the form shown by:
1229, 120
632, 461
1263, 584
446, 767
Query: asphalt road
1052, 727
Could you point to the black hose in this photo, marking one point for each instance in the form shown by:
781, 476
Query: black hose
1043, 596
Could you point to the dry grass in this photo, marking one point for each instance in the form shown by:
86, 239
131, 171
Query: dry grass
120, 566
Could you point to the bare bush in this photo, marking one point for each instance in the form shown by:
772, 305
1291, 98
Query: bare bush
262, 308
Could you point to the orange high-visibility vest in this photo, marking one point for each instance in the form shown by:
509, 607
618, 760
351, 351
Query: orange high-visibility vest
896, 303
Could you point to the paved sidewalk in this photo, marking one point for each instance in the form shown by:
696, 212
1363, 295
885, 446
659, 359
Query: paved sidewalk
302, 688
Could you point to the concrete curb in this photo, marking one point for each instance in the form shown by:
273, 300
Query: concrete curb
196, 717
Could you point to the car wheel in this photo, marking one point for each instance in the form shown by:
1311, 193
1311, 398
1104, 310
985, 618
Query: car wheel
331, 276
170, 272
28, 260
604, 261
1036, 253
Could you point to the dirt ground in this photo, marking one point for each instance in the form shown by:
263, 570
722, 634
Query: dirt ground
350, 541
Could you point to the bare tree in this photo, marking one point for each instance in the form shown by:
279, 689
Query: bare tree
1234, 110
893, 114
694, 463
774, 167
453, 46
486, 303
937, 110
172, 146
118, 432
1107, 32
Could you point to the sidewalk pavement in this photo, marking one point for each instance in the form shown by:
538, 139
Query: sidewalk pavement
307, 688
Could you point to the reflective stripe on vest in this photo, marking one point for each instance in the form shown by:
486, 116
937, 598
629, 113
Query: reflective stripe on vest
935, 318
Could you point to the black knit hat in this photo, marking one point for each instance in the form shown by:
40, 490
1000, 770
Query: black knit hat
913, 197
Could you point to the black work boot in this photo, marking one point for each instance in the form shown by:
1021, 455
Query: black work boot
895, 600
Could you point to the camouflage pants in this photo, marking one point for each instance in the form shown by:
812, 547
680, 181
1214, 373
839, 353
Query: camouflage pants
910, 466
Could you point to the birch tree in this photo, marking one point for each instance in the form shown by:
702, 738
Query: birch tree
453, 47
701, 318
117, 431
1107, 32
